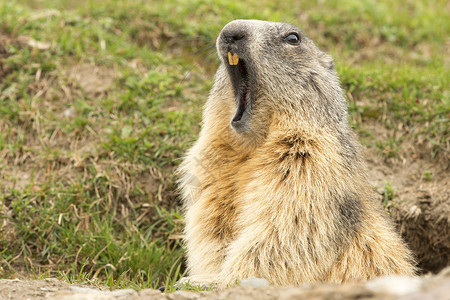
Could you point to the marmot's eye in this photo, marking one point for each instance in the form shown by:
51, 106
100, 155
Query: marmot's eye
292, 38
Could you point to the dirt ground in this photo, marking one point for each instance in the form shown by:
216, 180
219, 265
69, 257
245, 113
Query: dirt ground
431, 287
421, 204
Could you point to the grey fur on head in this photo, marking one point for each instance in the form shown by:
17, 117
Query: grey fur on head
298, 81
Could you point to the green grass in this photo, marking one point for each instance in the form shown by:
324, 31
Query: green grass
388, 194
93, 125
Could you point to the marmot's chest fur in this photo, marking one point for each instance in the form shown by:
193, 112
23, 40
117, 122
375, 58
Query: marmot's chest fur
274, 187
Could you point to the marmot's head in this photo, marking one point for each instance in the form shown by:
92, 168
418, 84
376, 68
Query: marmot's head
275, 69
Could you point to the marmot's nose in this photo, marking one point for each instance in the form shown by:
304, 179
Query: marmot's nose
232, 35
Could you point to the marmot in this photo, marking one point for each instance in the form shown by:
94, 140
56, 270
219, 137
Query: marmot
275, 186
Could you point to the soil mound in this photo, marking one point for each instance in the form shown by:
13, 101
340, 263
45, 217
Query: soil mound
425, 224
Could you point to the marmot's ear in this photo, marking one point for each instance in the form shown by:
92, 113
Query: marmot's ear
326, 61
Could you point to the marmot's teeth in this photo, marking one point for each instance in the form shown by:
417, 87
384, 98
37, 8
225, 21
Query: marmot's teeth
233, 59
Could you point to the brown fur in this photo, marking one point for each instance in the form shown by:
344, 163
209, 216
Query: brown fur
283, 194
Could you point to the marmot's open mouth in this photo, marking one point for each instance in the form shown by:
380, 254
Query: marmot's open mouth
241, 84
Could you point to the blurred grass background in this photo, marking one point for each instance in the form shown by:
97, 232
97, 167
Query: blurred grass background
99, 100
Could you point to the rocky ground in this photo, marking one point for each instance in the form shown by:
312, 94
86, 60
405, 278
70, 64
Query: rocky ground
425, 287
